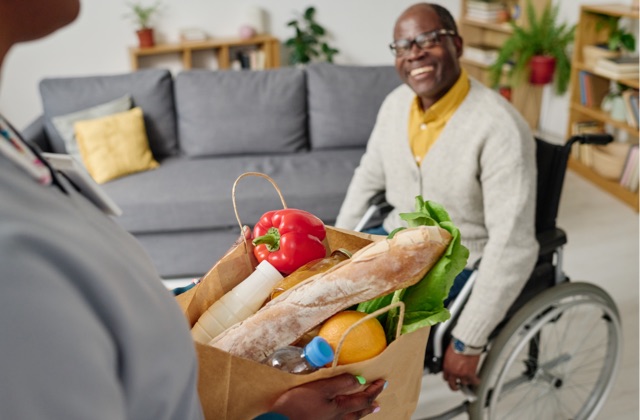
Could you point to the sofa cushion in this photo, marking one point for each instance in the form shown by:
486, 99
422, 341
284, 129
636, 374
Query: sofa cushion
151, 90
185, 194
232, 112
115, 145
65, 123
344, 101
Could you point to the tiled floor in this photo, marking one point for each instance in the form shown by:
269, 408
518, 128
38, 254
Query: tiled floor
603, 249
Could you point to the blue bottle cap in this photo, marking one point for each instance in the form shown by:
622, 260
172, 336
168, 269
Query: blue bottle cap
318, 352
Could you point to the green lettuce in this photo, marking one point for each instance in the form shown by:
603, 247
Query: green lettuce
424, 301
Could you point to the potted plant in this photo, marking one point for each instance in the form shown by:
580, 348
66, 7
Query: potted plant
141, 16
618, 40
307, 44
540, 49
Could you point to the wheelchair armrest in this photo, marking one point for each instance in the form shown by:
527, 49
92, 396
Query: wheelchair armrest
550, 240
378, 200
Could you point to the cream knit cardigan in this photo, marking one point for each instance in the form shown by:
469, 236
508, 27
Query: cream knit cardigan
482, 169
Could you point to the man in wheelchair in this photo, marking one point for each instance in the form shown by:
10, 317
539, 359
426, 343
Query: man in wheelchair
445, 136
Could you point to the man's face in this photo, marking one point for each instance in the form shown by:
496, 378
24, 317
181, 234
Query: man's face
432, 71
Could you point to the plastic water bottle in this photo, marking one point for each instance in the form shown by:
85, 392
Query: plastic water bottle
300, 360
238, 304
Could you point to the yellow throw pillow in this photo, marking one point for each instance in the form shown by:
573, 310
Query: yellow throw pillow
115, 145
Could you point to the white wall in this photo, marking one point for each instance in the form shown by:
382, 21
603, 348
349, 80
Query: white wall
97, 42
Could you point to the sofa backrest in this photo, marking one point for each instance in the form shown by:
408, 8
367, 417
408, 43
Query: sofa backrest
343, 102
150, 89
237, 112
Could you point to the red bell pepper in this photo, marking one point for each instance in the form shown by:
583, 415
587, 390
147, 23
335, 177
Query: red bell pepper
288, 239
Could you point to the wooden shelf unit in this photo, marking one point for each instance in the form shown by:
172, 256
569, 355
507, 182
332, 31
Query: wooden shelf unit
220, 46
525, 97
586, 34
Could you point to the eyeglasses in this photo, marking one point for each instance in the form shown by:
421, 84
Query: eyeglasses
402, 47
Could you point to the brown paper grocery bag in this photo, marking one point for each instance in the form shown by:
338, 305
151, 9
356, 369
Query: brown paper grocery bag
234, 388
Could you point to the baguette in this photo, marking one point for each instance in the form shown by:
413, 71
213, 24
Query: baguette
375, 270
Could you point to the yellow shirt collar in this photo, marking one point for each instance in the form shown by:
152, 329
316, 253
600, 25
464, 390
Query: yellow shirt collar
446, 105
425, 126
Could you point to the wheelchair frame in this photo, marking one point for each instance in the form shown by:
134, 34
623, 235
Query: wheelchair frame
537, 307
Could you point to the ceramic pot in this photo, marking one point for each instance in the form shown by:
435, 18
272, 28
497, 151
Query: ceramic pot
542, 68
145, 38
614, 105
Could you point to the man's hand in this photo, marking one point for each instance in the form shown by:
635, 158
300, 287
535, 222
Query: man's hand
459, 369
338, 398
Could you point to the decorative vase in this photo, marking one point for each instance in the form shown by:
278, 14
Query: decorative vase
255, 17
246, 32
542, 68
613, 103
145, 37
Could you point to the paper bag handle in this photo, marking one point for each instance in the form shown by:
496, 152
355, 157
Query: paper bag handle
380, 311
233, 198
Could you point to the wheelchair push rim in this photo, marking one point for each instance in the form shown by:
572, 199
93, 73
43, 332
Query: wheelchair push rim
556, 358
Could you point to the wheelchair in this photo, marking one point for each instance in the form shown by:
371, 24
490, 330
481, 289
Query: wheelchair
557, 352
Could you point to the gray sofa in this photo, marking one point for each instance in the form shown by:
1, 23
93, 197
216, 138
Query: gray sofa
306, 128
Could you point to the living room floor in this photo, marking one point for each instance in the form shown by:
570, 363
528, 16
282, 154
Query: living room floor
602, 248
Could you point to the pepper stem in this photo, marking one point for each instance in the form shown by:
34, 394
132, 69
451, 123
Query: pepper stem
271, 239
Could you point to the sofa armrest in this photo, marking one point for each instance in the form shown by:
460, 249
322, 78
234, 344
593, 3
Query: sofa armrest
35, 135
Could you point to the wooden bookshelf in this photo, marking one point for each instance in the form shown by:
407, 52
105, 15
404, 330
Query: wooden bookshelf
221, 47
525, 97
611, 186
586, 34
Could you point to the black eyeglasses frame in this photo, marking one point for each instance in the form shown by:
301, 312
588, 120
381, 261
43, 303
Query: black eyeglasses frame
432, 38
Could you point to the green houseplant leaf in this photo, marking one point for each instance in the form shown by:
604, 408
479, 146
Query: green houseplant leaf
543, 35
141, 15
308, 44
619, 38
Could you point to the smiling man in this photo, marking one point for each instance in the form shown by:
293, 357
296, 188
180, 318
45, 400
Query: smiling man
447, 137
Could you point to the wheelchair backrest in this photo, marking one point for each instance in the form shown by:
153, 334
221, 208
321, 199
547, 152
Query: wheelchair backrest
552, 164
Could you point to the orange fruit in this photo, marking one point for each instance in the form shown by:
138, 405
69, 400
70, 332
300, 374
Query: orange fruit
365, 341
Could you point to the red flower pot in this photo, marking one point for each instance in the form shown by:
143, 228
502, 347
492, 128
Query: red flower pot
542, 68
145, 37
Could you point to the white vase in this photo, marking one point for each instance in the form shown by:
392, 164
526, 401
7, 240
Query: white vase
614, 105
254, 17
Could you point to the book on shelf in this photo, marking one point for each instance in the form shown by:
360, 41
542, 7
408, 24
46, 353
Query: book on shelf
633, 179
630, 98
488, 12
592, 88
485, 5
253, 59
629, 177
486, 17
582, 152
582, 81
587, 127
625, 63
480, 53
616, 74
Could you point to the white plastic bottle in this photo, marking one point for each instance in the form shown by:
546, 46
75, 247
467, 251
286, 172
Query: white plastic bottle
300, 360
238, 304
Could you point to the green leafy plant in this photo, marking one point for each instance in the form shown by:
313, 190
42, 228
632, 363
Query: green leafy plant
543, 36
619, 38
307, 44
141, 15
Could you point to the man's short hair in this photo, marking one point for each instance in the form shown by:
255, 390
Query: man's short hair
447, 21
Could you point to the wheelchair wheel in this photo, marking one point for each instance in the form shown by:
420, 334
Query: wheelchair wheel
555, 359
